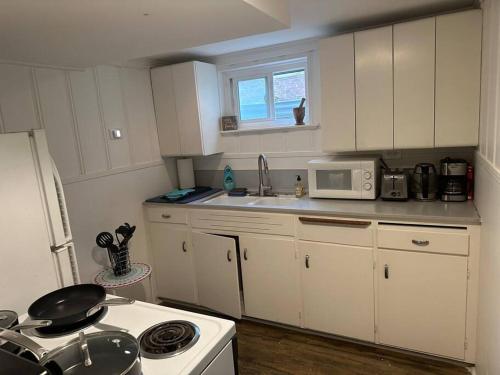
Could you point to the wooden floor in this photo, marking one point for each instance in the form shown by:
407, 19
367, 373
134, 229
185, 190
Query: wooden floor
270, 350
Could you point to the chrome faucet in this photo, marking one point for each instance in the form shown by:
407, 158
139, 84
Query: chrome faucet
264, 170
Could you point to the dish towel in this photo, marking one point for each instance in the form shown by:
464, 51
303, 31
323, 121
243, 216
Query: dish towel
178, 193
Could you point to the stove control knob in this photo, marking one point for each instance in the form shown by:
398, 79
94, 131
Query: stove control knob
367, 186
367, 175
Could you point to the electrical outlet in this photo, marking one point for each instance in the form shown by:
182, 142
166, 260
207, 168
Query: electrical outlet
391, 154
115, 134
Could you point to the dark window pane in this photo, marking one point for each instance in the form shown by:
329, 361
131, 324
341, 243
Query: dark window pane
289, 89
253, 99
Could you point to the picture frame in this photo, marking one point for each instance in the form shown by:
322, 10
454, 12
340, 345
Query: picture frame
229, 123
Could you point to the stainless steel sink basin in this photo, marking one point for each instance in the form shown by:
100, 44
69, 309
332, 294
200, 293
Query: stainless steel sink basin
226, 200
280, 200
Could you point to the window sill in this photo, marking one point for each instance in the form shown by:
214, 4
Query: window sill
270, 129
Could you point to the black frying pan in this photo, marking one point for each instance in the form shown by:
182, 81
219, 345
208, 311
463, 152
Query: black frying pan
72, 304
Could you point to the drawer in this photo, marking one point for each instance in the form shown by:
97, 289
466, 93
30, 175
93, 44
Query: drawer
167, 215
427, 239
334, 230
243, 221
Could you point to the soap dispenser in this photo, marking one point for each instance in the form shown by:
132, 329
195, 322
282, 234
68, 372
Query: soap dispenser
299, 187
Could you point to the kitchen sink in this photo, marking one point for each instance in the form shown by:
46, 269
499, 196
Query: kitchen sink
280, 200
252, 201
226, 200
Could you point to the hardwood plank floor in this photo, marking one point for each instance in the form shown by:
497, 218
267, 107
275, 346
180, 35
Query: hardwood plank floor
270, 350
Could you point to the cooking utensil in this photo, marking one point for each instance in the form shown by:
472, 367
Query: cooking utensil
70, 305
128, 236
104, 239
99, 353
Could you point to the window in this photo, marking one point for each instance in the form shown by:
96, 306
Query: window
265, 95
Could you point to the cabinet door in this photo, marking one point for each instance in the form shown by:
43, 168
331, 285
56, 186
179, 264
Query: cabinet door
337, 289
270, 279
458, 65
166, 113
338, 117
174, 269
216, 264
186, 103
374, 89
414, 58
422, 301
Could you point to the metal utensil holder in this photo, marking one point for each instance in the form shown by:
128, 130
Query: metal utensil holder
120, 261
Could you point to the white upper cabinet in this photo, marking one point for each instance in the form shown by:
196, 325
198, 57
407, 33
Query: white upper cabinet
374, 89
337, 93
186, 98
414, 58
416, 85
458, 71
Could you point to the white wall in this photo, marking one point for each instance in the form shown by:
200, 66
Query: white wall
105, 180
488, 196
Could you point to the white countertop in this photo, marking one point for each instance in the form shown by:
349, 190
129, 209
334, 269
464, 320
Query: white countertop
462, 213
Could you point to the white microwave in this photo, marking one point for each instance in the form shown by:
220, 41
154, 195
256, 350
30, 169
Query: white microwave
344, 178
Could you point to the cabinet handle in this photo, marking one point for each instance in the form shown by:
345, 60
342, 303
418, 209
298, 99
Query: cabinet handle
307, 261
386, 271
245, 254
166, 216
420, 242
325, 221
184, 246
229, 255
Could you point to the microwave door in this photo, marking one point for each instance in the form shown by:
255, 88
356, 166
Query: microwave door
337, 183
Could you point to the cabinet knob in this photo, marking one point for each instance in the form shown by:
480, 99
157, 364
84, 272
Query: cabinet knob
184, 246
166, 216
307, 261
245, 254
386, 271
420, 242
229, 255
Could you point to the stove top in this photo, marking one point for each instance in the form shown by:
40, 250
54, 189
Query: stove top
136, 319
168, 339
198, 193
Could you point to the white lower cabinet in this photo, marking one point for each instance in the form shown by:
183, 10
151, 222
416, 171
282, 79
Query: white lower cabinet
173, 267
337, 289
217, 278
270, 278
422, 301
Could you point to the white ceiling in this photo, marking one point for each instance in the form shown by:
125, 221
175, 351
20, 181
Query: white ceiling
316, 18
89, 32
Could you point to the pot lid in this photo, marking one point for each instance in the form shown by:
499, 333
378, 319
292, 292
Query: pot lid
7, 318
110, 352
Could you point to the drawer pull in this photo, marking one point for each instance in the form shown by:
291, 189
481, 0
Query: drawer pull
245, 254
184, 246
319, 220
420, 242
386, 271
307, 261
166, 216
229, 255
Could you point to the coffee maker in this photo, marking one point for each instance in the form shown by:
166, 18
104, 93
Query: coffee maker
453, 180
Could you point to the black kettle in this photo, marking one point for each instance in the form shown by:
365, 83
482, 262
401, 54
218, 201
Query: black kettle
424, 184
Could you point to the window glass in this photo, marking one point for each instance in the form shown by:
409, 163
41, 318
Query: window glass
252, 94
289, 88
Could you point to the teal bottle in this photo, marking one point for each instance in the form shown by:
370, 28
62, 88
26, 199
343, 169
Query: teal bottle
228, 179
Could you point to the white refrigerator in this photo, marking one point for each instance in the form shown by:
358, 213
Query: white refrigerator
37, 254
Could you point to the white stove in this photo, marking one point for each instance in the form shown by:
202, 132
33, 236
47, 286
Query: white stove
209, 354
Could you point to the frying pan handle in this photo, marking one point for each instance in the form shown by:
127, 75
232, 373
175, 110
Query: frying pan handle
24, 342
28, 324
110, 302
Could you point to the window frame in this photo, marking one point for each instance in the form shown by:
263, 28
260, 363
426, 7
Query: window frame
231, 77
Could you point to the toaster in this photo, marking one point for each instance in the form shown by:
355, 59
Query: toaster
394, 185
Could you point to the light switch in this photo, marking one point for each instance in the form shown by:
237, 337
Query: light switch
116, 133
